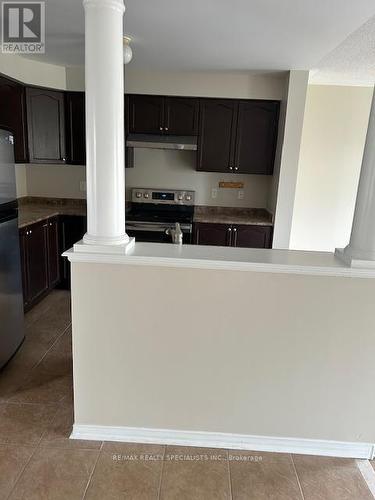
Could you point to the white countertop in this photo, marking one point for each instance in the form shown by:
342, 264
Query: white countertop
224, 258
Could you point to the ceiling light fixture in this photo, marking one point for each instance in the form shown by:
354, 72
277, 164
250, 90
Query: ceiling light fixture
128, 53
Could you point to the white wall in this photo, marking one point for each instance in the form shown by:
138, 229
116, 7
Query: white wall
33, 72
285, 176
333, 139
176, 169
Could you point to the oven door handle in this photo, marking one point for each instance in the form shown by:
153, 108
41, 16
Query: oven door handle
156, 228
145, 227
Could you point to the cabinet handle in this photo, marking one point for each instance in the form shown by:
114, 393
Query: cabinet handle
235, 236
229, 236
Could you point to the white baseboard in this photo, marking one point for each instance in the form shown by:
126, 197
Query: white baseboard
224, 440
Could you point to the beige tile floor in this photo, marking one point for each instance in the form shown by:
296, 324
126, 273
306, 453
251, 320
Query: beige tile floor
38, 461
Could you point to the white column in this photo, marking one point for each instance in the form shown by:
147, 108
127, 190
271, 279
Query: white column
361, 249
105, 167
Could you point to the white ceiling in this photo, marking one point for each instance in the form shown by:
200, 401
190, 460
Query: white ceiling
216, 35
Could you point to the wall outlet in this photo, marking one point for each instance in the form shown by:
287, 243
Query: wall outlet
213, 193
240, 194
82, 186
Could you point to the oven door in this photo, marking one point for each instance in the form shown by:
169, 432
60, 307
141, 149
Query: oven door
156, 232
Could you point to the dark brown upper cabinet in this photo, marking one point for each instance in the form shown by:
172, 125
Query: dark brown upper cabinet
146, 114
217, 127
162, 115
181, 116
256, 137
46, 125
237, 136
13, 116
75, 128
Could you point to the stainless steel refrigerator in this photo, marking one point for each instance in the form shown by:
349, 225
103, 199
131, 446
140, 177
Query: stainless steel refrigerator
11, 302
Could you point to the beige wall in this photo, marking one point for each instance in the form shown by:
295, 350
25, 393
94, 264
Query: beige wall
251, 353
177, 169
55, 181
21, 181
333, 138
32, 71
245, 84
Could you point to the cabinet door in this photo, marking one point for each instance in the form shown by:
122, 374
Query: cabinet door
37, 264
252, 236
45, 121
212, 234
72, 228
13, 116
24, 268
256, 137
216, 135
75, 127
53, 252
146, 114
181, 116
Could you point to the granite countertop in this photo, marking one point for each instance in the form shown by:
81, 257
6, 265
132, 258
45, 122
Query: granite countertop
230, 215
32, 210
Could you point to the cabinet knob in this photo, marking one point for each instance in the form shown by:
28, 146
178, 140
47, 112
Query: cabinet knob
160, 128
236, 168
30, 231
235, 230
229, 229
230, 167
166, 129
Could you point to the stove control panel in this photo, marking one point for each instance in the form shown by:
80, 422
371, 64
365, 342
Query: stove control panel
163, 196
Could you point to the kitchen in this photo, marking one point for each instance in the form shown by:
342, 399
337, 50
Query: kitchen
189, 161
147, 232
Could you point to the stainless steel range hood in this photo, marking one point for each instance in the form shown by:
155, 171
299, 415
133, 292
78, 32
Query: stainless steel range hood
183, 143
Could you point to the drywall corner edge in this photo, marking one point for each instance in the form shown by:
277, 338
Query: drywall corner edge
295, 111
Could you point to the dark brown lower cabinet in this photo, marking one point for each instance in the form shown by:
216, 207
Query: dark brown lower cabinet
40, 259
212, 234
34, 253
71, 229
245, 236
53, 251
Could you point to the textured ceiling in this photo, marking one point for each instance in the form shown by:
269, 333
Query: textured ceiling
352, 62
